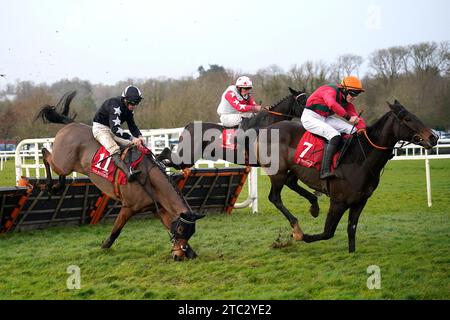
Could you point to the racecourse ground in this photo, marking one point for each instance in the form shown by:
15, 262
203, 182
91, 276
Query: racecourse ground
408, 241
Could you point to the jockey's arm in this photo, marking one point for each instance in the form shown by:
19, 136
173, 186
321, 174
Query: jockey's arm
137, 139
352, 112
115, 125
329, 97
238, 105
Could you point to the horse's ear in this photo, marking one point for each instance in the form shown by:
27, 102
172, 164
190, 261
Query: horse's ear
391, 106
397, 102
294, 92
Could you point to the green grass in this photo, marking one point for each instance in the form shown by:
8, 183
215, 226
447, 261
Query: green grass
397, 231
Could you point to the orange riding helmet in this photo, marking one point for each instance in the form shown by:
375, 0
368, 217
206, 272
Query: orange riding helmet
352, 83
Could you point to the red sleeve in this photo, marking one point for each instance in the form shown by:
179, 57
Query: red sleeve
352, 112
251, 101
329, 97
239, 106
361, 124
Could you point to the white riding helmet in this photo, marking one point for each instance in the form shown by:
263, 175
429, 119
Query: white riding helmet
244, 82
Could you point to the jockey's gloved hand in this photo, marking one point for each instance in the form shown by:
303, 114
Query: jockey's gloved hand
258, 108
137, 141
354, 119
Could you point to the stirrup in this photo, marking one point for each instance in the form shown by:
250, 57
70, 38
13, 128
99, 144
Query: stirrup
132, 175
327, 175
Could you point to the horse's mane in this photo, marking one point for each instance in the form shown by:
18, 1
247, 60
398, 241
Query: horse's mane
375, 129
354, 154
262, 116
169, 178
281, 101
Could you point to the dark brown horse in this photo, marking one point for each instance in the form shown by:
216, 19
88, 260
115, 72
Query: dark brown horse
73, 150
358, 173
195, 140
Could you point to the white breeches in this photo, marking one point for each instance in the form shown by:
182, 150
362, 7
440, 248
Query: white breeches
106, 138
234, 119
327, 127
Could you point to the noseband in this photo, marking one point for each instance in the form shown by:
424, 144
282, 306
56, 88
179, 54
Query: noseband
182, 228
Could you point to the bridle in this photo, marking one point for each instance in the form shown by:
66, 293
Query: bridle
374, 145
404, 143
181, 229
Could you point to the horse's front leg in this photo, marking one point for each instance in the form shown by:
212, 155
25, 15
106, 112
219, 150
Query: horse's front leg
355, 212
278, 182
121, 220
292, 183
335, 213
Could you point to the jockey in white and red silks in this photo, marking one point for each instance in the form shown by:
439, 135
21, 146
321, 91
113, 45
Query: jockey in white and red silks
237, 103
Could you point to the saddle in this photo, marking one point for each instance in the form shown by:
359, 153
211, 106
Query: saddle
309, 152
103, 166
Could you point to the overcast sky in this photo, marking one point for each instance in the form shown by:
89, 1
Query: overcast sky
105, 41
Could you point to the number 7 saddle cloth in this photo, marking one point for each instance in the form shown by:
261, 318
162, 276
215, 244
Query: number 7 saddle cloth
309, 151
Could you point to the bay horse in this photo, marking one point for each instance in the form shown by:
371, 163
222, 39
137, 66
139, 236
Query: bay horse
73, 150
358, 173
195, 143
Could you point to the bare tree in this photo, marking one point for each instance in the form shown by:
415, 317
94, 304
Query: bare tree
389, 63
347, 64
431, 57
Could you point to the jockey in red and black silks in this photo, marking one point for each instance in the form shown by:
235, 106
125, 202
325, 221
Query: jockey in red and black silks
321, 112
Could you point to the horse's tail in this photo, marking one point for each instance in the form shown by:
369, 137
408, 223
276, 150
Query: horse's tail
50, 114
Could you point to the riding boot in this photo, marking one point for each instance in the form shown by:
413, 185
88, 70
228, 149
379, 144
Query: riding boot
328, 155
129, 172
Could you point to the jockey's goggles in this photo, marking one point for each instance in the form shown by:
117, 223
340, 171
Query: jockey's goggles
133, 103
354, 93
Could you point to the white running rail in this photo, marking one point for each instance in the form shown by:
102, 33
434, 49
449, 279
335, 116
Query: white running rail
28, 159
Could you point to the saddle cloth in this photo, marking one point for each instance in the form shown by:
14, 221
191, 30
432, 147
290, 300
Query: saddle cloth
106, 168
309, 152
229, 138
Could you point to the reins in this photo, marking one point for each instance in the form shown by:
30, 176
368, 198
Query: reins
364, 131
373, 144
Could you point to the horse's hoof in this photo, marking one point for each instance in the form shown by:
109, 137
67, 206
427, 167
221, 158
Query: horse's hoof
297, 236
166, 162
106, 245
